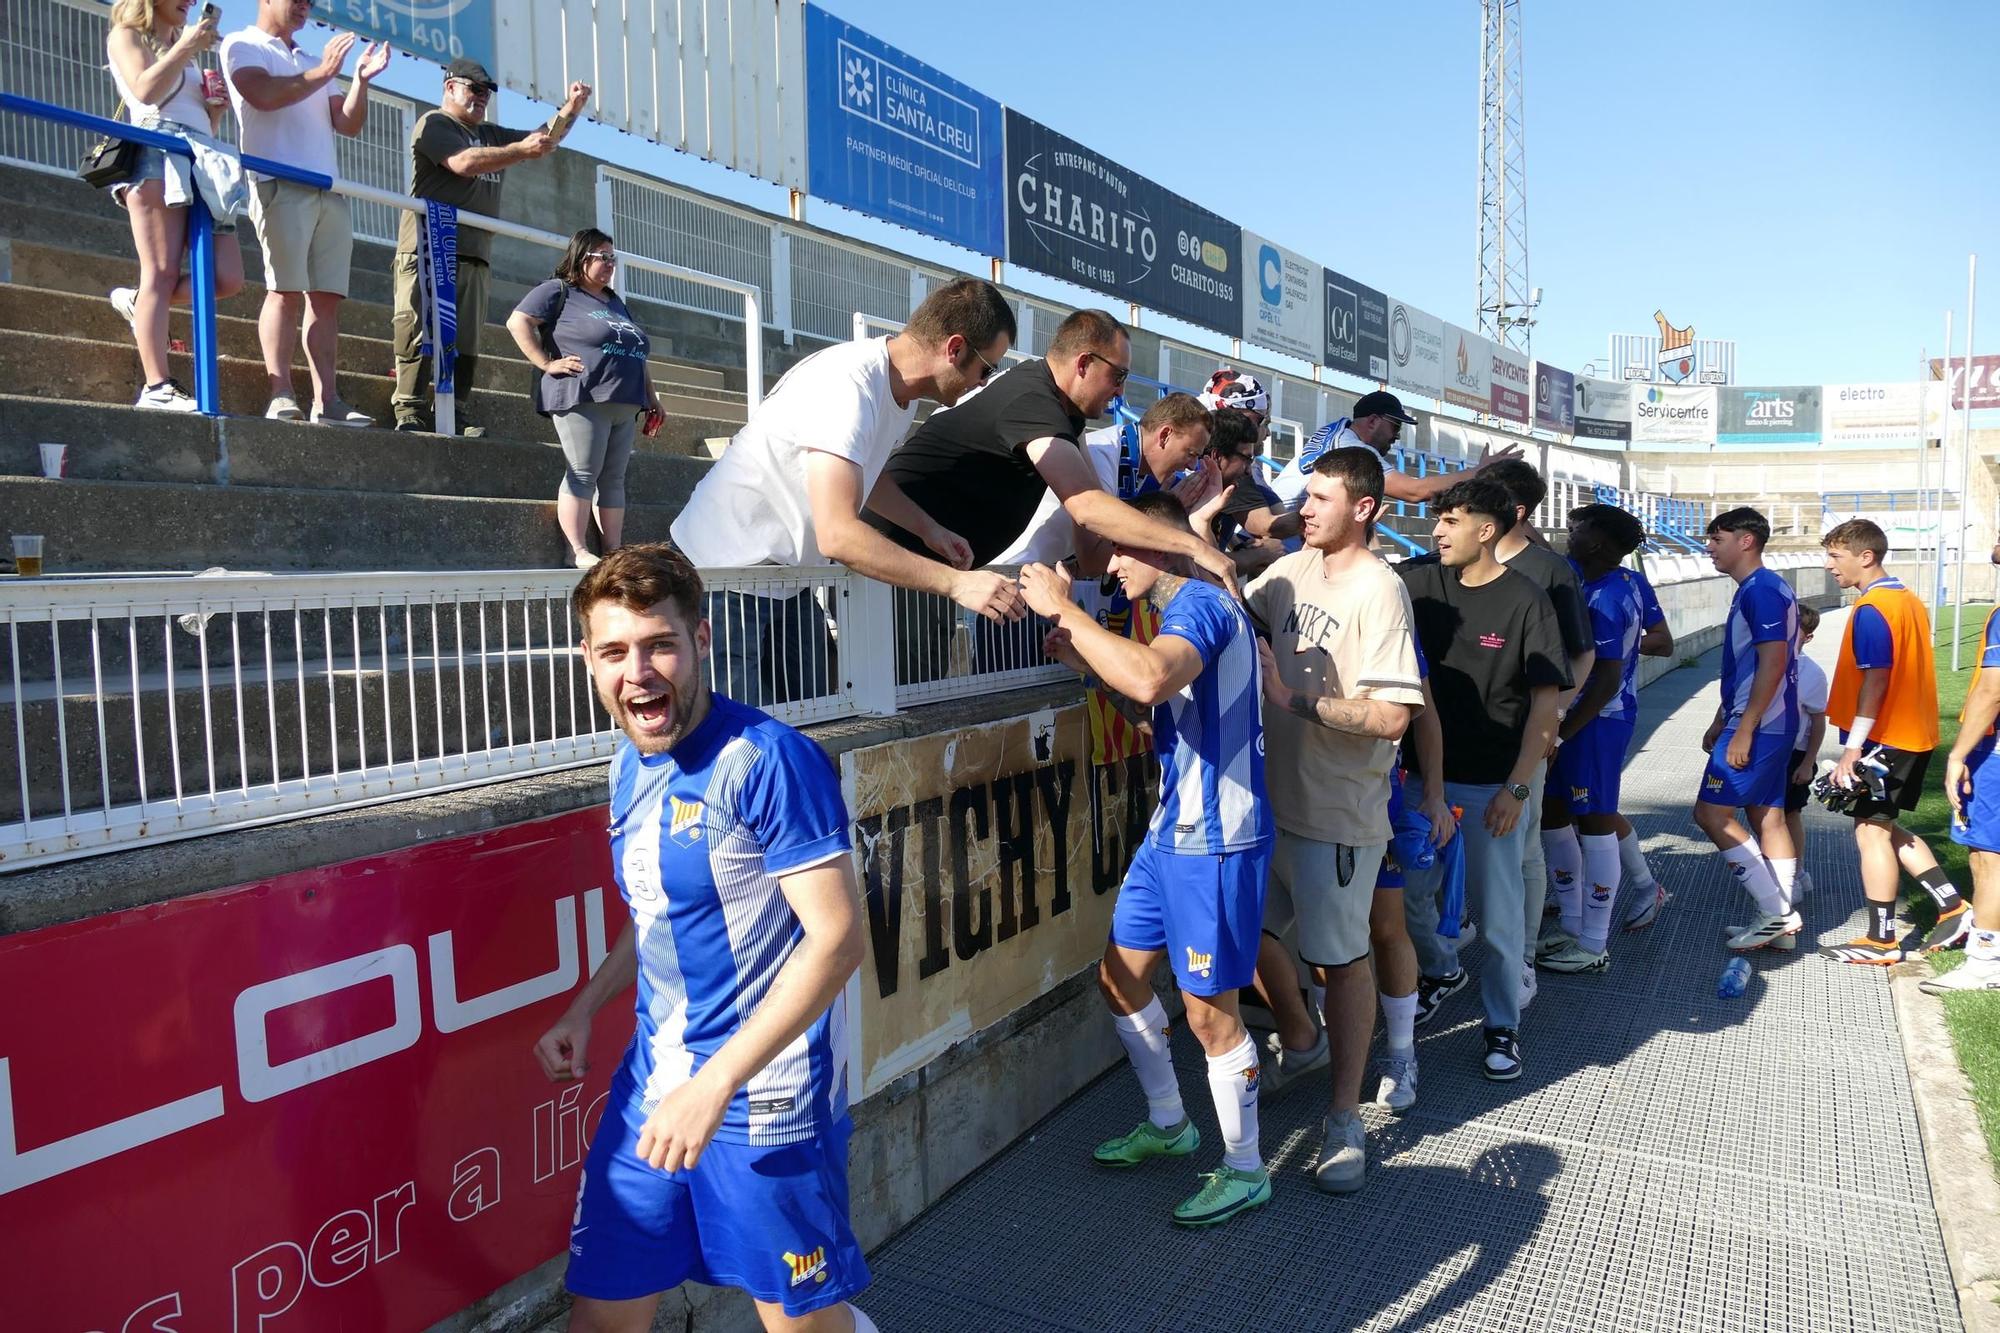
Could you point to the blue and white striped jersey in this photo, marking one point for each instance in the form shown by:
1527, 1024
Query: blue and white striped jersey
699, 838
1210, 736
1764, 610
1617, 610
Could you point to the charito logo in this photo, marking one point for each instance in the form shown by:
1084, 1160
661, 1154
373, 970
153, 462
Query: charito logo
1102, 222
809, 1267
1270, 275
1676, 358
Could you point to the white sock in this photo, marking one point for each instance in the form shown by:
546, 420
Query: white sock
1399, 1022
862, 1323
1564, 854
1600, 872
1786, 871
1634, 861
1144, 1036
1983, 944
1232, 1081
1751, 871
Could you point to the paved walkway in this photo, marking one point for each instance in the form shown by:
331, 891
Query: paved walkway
1669, 1161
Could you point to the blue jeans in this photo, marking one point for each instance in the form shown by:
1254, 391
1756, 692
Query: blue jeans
1493, 881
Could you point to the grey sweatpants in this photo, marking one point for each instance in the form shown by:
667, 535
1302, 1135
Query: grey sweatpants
597, 444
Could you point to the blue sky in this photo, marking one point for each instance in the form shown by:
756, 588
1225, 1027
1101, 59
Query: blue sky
1805, 178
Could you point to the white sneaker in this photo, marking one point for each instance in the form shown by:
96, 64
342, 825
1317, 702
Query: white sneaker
1576, 959
1468, 931
1767, 930
1646, 905
283, 407
1343, 1155
1973, 974
1290, 1066
1528, 985
337, 413
1785, 943
1398, 1089
583, 559
167, 396
125, 300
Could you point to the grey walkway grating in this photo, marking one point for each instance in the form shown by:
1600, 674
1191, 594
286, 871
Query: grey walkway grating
1669, 1161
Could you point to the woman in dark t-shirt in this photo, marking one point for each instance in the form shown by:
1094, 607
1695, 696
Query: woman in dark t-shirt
593, 382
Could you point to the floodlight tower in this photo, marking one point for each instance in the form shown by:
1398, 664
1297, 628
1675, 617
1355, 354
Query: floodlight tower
1506, 301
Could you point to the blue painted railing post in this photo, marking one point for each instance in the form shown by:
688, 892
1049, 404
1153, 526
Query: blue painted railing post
201, 278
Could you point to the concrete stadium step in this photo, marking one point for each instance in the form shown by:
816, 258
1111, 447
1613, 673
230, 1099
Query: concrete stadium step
120, 444
110, 526
84, 273
92, 318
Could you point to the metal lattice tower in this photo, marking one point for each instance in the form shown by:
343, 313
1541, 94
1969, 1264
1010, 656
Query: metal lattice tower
1506, 313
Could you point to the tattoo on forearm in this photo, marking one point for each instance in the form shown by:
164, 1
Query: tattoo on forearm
1339, 714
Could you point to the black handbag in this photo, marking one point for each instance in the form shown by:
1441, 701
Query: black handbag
109, 162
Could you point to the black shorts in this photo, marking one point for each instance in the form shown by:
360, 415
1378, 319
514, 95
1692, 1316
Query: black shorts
1797, 794
1904, 783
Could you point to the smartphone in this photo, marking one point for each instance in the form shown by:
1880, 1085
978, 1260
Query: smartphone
210, 14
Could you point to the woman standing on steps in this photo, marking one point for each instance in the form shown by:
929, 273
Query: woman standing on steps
152, 52
593, 381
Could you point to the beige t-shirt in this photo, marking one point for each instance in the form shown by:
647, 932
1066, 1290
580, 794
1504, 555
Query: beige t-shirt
1349, 638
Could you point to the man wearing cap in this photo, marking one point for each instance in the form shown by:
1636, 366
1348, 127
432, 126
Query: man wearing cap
456, 157
1379, 417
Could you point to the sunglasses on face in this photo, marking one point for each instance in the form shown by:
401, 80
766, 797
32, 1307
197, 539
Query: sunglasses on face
608, 256
991, 369
1118, 372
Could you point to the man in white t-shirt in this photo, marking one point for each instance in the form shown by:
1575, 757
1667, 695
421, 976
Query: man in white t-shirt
790, 488
1340, 686
278, 91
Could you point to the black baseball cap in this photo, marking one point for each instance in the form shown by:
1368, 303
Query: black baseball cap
472, 72
1382, 403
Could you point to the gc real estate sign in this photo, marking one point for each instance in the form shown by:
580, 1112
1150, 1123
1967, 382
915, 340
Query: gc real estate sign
892, 137
1283, 299
1357, 328
1076, 215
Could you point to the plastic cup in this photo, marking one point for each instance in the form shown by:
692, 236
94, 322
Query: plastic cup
28, 557
55, 460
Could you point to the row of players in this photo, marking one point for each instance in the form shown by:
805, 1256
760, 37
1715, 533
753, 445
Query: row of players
723, 1157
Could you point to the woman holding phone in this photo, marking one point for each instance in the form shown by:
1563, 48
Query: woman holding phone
593, 382
153, 53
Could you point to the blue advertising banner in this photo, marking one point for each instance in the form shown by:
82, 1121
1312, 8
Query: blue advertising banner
1771, 414
1075, 214
438, 30
1555, 399
1357, 328
890, 136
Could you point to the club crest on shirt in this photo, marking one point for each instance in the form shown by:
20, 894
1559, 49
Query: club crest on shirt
1713, 782
808, 1267
686, 826
1579, 795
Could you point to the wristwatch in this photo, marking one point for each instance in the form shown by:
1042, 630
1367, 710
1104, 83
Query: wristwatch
1518, 790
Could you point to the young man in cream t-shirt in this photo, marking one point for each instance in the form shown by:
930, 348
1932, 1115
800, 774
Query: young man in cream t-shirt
1340, 686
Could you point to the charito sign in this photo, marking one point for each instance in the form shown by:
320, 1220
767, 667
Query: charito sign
990, 859
1074, 214
309, 1102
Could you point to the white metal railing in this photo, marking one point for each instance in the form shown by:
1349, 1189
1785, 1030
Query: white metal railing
151, 708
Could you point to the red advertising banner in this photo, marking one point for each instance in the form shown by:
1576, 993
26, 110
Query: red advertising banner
308, 1103
1985, 380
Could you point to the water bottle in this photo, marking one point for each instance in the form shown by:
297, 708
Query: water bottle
1735, 978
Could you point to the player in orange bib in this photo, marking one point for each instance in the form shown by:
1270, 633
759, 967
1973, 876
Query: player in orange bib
1884, 700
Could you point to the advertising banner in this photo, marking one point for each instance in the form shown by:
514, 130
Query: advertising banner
1076, 215
1284, 300
894, 138
436, 30
1769, 414
1555, 399
990, 861
1357, 328
1416, 350
1985, 380
1673, 416
1511, 399
1604, 410
309, 1102
1468, 369
1871, 416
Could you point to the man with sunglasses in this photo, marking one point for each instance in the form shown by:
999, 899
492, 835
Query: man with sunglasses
1377, 423
456, 157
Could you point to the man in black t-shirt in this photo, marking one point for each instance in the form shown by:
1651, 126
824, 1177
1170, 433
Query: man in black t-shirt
1497, 665
980, 468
